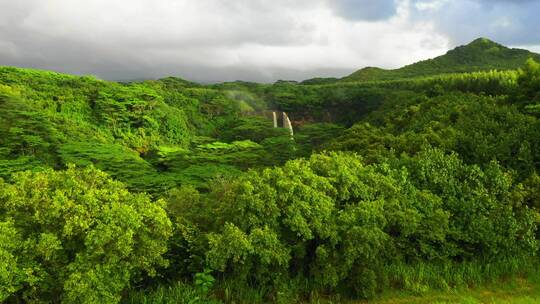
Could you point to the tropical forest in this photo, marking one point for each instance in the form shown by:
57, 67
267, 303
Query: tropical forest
385, 184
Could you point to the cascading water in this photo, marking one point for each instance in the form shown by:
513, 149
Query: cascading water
287, 123
280, 119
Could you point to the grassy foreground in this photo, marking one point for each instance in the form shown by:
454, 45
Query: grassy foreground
509, 280
515, 291
518, 291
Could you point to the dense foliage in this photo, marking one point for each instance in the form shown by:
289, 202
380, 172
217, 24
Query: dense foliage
337, 223
76, 236
132, 131
417, 178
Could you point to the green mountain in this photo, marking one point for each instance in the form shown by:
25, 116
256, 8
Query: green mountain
480, 55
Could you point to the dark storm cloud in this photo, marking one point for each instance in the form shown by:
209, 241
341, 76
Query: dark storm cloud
120, 39
364, 10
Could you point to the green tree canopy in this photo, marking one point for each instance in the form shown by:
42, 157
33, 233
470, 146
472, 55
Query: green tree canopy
76, 236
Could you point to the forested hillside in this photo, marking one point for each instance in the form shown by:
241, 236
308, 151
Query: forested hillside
480, 55
168, 191
151, 135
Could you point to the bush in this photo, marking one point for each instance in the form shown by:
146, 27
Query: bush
338, 224
76, 236
489, 216
330, 219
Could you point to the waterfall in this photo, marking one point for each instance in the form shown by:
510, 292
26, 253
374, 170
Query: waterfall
287, 123
281, 118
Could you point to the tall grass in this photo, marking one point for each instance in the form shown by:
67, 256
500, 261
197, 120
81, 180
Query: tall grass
417, 279
179, 292
423, 277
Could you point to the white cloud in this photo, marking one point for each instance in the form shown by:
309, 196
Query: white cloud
432, 5
218, 40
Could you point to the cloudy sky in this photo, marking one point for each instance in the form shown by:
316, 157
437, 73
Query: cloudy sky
256, 40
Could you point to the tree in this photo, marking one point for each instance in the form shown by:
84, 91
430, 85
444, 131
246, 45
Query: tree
529, 82
76, 236
329, 218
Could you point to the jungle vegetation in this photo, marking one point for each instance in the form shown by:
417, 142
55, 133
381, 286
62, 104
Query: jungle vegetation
168, 191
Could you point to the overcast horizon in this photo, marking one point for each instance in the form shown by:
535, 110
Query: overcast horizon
251, 40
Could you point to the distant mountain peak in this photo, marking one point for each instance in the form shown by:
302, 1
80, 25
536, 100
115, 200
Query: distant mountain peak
482, 41
481, 54
480, 45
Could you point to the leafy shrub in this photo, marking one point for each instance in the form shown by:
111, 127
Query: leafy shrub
489, 217
337, 223
329, 218
76, 236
